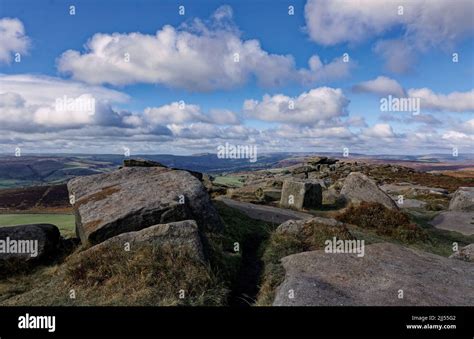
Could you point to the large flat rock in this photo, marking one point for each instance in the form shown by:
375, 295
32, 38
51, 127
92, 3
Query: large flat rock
462, 222
134, 198
326, 279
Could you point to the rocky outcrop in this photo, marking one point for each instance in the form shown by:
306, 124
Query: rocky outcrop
141, 163
28, 243
180, 236
134, 198
358, 187
321, 160
301, 195
378, 278
466, 253
463, 200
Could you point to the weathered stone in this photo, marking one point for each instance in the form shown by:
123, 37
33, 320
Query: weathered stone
358, 187
268, 194
246, 193
411, 189
304, 169
411, 203
463, 200
266, 213
296, 226
330, 196
462, 222
180, 235
275, 183
466, 253
141, 163
301, 195
327, 279
47, 238
134, 198
316, 160
301, 176
321, 160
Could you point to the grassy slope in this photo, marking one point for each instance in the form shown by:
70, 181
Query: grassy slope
119, 278
229, 180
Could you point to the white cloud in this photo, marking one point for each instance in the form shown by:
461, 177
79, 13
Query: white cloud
452, 102
432, 22
429, 100
459, 138
179, 114
319, 104
44, 90
29, 102
223, 117
13, 39
426, 23
379, 131
197, 57
381, 86
398, 54
173, 113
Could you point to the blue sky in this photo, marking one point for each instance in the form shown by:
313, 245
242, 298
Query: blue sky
336, 103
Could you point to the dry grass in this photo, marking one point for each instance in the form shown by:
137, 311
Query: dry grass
384, 221
421, 178
146, 276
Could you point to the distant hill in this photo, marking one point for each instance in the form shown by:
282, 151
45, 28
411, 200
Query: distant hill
30, 170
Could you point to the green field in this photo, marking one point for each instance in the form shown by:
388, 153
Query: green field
229, 180
65, 222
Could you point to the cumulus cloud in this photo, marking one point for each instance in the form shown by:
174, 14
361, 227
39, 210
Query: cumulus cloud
179, 113
381, 86
201, 56
44, 90
379, 131
429, 100
38, 104
13, 38
317, 105
397, 53
426, 23
452, 102
30, 101
331, 22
